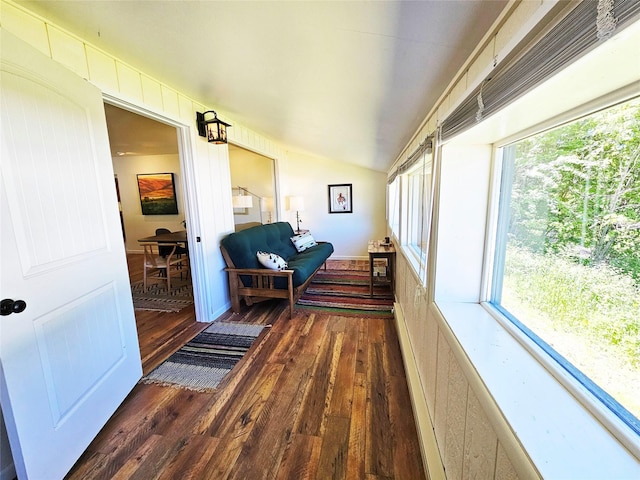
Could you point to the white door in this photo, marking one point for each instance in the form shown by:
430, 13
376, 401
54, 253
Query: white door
70, 358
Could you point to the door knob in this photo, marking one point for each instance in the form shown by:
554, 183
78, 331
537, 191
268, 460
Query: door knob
8, 306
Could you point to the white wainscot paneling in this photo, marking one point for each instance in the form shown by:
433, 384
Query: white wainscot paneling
454, 443
129, 82
68, 50
480, 442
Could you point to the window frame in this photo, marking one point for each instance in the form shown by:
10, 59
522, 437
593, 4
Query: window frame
415, 219
598, 402
393, 206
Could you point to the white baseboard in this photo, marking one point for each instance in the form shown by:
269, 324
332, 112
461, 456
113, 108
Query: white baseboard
434, 469
341, 257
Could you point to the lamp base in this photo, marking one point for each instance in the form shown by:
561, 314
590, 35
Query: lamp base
297, 222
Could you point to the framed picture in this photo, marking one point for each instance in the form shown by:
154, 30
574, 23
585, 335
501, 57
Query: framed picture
157, 194
340, 200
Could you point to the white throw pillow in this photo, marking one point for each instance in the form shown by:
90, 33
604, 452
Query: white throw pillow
303, 241
271, 260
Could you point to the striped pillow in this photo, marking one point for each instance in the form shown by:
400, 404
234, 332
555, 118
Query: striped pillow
303, 241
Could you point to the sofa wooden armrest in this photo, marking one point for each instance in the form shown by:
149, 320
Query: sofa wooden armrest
262, 286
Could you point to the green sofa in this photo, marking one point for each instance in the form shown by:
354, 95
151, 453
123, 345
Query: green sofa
248, 279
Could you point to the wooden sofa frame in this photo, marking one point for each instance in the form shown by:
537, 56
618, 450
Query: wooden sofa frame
262, 284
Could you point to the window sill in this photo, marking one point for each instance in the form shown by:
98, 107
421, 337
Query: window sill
413, 260
560, 436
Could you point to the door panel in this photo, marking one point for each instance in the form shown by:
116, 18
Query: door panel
72, 356
88, 329
44, 213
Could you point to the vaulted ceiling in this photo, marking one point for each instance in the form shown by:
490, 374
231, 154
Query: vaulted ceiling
347, 80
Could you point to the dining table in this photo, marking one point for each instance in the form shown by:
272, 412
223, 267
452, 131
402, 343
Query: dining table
173, 237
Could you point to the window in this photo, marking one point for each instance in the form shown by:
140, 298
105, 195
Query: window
393, 206
567, 266
417, 213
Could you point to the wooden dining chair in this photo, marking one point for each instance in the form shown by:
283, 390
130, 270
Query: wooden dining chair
165, 248
166, 267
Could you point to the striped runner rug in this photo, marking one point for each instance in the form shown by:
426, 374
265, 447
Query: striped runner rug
203, 362
156, 298
346, 292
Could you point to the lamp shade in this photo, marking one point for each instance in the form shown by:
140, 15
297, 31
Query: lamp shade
266, 204
242, 201
296, 203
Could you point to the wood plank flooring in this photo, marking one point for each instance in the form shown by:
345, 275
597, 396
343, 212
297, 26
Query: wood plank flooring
317, 397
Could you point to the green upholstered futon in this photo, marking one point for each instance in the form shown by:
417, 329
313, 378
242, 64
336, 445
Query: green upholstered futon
248, 279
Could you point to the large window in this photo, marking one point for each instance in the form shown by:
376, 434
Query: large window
418, 195
567, 267
409, 198
393, 206
408, 208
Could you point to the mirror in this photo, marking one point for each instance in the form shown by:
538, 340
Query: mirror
253, 187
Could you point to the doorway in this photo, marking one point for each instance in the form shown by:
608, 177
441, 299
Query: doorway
140, 147
143, 146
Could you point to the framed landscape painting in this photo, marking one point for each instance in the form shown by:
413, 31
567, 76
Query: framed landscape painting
340, 198
157, 194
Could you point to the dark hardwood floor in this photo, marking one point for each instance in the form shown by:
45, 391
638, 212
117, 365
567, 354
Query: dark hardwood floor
317, 397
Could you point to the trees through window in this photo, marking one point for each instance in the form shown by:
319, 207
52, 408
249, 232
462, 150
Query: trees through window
567, 267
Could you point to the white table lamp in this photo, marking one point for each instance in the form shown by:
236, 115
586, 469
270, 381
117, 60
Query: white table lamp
296, 203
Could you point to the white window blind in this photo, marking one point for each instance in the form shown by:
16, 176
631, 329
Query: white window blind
425, 147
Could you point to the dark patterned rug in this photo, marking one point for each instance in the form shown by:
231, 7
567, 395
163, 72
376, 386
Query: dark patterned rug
204, 361
346, 292
158, 299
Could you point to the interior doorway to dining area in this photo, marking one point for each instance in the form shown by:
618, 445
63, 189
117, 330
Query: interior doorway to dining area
151, 200
146, 164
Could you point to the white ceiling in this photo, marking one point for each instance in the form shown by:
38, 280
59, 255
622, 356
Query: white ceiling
347, 80
134, 135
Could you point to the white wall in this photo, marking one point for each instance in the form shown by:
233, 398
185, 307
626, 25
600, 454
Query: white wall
460, 243
309, 176
136, 224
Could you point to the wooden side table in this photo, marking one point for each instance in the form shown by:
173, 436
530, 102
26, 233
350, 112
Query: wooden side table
378, 249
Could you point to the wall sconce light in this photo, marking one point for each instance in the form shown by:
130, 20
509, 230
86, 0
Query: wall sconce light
296, 203
215, 130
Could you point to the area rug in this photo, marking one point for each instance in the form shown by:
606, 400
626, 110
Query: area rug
158, 299
204, 361
346, 292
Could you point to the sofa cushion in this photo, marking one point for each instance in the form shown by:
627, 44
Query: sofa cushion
243, 246
305, 263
